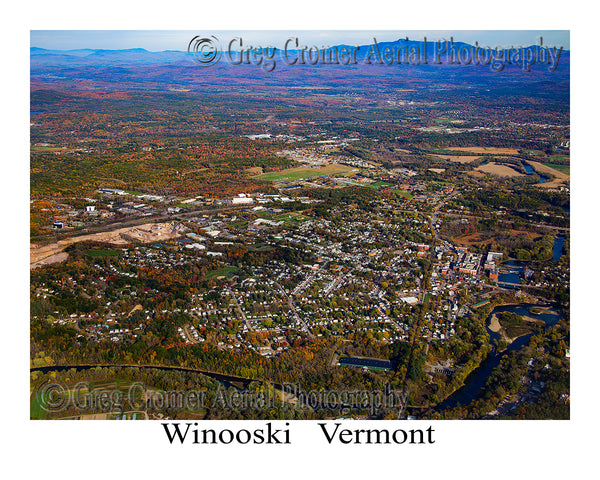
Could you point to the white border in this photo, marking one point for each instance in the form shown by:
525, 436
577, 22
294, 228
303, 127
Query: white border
548, 449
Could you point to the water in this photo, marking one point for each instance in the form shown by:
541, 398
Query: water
511, 279
528, 168
558, 248
531, 171
477, 379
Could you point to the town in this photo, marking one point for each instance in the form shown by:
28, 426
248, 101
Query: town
372, 237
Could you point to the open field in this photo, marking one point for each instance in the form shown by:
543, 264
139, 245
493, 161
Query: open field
560, 178
457, 158
566, 169
36, 412
472, 239
499, 169
305, 172
41, 148
403, 193
379, 185
227, 271
52, 258
148, 232
287, 218
487, 150
102, 253
438, 170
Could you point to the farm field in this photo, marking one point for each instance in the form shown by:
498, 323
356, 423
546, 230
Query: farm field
560, 178
499, 169
457, 158
488, 150
305, 172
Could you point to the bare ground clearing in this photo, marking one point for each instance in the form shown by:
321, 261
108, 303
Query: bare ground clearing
148, 232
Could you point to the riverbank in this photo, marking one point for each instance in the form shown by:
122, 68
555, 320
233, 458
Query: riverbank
474, 383
496, 327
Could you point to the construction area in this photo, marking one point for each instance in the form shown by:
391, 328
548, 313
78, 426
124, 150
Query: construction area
40, 255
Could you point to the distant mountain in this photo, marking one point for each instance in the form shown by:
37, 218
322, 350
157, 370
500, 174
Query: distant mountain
137, 68
141, 56
41, 56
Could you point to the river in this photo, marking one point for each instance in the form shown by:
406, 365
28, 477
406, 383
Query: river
557, 250
510, 274
477, 379
531, 171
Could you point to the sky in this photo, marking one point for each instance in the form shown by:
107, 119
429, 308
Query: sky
159, 40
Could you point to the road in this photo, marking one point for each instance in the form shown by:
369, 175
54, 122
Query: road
294, 311
239, 309
433, 218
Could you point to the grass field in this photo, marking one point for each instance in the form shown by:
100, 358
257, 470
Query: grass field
379, 185
304, 172
46, 149
227, 271
537, 153
36, 412
102, 253
402, 193
566, 169
261, 247
287, 218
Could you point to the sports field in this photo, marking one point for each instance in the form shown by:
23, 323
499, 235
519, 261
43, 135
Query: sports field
305, 172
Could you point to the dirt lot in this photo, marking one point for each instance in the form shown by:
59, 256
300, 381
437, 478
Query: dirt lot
488, 150
560, 177
457, 158
57, 258
438, 170
148, 232
499, 169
